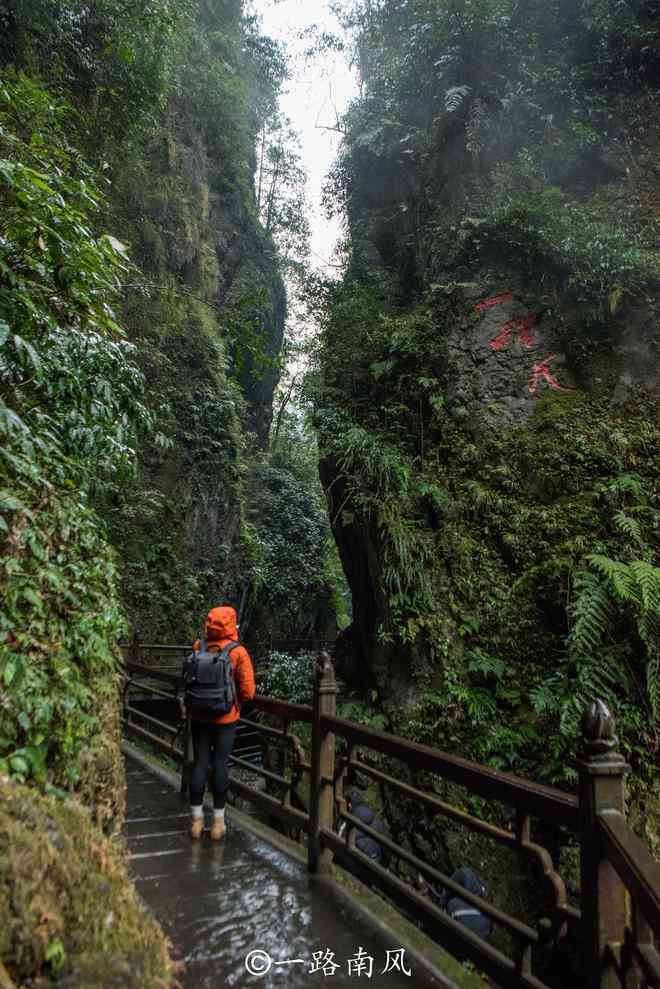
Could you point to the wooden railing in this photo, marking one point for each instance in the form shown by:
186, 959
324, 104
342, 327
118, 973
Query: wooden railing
618, 923
169, 656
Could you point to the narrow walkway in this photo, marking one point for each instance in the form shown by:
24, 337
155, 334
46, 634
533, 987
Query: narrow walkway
220, 902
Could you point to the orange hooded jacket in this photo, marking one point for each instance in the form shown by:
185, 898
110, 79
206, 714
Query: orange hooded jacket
221, 629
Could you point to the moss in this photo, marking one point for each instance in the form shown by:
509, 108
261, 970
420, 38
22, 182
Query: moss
102, 789
70, 913
208, 322
463, 534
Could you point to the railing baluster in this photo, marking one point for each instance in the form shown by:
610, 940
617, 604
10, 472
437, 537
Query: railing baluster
619, 943
604, 908
321, 809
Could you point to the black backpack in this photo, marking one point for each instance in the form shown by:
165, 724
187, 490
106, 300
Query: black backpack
208, 681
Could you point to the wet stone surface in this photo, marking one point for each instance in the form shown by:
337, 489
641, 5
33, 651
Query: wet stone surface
218, 902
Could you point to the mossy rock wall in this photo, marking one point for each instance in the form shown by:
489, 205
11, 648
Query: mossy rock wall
488, 411
213, 282
70, 913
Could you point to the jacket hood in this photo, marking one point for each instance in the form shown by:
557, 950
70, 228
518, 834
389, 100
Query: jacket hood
354, 797
468, 880
359, 808
221, 624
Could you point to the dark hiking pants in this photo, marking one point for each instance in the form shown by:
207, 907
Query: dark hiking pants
212, 745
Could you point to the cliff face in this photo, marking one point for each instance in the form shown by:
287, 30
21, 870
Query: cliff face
212, 280
207, 315
141, 317
488, 414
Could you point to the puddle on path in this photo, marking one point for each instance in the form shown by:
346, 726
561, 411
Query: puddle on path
220, 902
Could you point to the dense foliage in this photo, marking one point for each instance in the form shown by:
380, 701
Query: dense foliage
289, 676
70, 399
524, 121
128, 213
502, 551
143, 124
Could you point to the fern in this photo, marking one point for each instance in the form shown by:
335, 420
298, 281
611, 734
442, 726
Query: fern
611, 586
454, 98
620, 577
653, 683
614, 639
474, 126
624, 484
591, 612
544, 696
648, 582
628, 526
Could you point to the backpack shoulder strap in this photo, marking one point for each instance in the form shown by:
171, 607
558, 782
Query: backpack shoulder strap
229, 648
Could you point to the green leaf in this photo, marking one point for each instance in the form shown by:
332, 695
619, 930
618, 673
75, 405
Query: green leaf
29, 594
55, 954
19, 764
9, 502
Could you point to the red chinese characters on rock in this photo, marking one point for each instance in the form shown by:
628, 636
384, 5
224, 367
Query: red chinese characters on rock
524, 328
541, 372
523, 325
495, 300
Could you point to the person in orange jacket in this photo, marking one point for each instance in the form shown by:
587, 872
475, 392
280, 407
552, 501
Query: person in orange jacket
213, 740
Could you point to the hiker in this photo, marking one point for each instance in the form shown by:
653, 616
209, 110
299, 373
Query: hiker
358, 808
217, 678
462, 911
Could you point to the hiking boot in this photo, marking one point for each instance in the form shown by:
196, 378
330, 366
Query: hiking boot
218, 829
196, 828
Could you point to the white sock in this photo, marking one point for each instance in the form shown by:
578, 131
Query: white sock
219, 814
196, 811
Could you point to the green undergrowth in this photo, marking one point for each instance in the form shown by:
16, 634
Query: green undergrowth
503, 559
70, 396
60, 622
70, 412
179, 527
520, 567
528, 567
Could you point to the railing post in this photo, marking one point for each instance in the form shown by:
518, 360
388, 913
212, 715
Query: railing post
321, 809
604, 902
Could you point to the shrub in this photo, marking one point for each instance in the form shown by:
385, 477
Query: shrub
289, 677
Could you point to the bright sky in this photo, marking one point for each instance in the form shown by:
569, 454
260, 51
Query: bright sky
318, 90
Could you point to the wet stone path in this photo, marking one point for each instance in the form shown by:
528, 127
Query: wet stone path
220, 902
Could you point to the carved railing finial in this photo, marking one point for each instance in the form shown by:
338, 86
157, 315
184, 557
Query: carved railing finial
325, 670
598, 730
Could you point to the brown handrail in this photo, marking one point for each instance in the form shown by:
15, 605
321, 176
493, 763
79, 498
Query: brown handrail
617, 871
287, 713
450, 932
441, 807
283, 709
153, 672
511, 924
634, 864
543, 801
